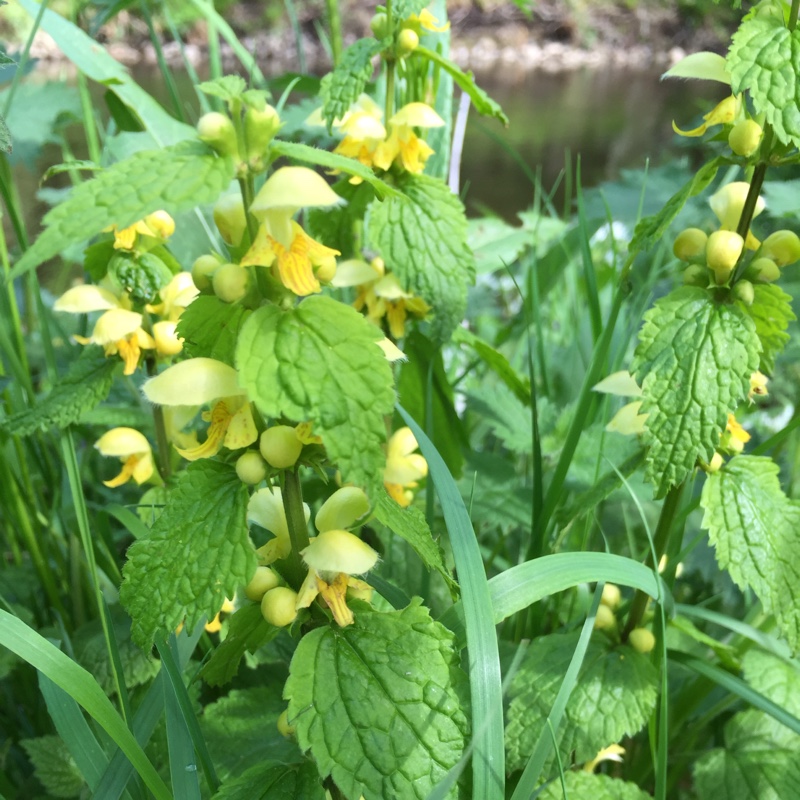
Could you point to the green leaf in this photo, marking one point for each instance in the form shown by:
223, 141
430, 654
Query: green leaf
763, 60
247, 631
753, 528
651, 229
588, 786
777, 678
760, 761
772, 312
87, 383
227, 88
380, 703
5, 136
319, 362
334, 226
403, 9
268, 781
174, 178
423, 240
409, 524
210, 328
96, 258
54, 766
69, 166
323, 158
342, 88
614, 697
694, 362
466, 82
198, 553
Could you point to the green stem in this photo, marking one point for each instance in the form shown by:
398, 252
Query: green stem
247, 188
296, 521
390, 67
335, 25
163, 450
792, 24
660, 541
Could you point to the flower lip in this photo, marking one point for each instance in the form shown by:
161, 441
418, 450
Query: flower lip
122, 442
339, 551
291, 188
85, 298
193, 382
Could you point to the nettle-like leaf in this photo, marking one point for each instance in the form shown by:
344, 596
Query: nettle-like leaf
403, 9
86, 383
614, 697
174, 179
380, 704
342, 87
760, 761
763, 60
753, 527
270, 781
210, 328
54, 766
771, 311
588, 786
774, 677
423, 240
694, 361
320, 362
197, 553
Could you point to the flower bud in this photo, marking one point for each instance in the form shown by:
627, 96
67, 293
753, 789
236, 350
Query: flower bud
280, 446
326, 270
262, 582
407, 42
259, 129
715, 465
722, 252
641, 640
250, 468
696, 275
284, 728
278, 606
379, 25
783, 247
745, 292
166, 339
763, 270
229, 217
217, 130
690, 243
745, 137
604, 619
611, 596
231, 282
202, 270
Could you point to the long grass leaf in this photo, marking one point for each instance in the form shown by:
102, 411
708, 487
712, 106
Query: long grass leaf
182, 762
586, 258
488, 761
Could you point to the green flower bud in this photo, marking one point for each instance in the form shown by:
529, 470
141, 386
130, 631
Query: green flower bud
284, 728
262, 582
231, 282
783, 247
715, 465
250, 468
217, 130
280, 446
278, 606
407, 42
379, 25
722, 252
745, 137
696, 275
230, 219
744, 291
604, 619
260, 128
689, 244
611, 596
202, 270
641, 640
763, 270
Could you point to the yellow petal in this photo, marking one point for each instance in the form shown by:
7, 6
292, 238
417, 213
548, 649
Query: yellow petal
195, 381
166, 339
391, 350
339, 551
342, 509
308, 590
260, 253
620, 383
417, 115
86, 298
335, 595
428, 21
401, 443
293, 188
242, 429
215, 436
628, 420
115, 324
122, 442
405, 470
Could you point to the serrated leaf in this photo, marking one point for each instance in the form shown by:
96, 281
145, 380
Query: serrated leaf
694, 361
87, 383
466, 82
96, 258
409, 524
771, 311
247, 631
403, 9
753, 527
760, 761
763, 60
614, 697
268, 781
319, 362
210, 328
423, 240
776, 678
198, 553
69, 166
334, 226
227, 88
342, 88
54, 766
379, 704
653, 228
324, 158
174, 179
588, 786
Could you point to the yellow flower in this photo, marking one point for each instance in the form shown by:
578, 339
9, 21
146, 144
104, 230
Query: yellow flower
404, 468
426, 20
215, 625
723, 113
403, 145
336, 555
133, 449
627, 421
158, 225
613, 752
280, 241
175, 297
736, 431
266, 509
727, 205
204, 380
363, 132
758, 385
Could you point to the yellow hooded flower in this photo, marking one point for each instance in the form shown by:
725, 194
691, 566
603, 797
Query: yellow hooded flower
133, 449
215, 625
427, 21
723, 113
158, 225
758, 385
266, 509
627, 421
403, 145
404, 468
204, 380
280, 242
727, 205
336, 555
175, 297
613, 752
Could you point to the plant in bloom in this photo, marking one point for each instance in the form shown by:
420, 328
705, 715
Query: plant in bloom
133, 449
724, 113
266, 509
404, 468
403, 146
157, 226
727, 205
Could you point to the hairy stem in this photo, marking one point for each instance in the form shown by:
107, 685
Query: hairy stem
296, 521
